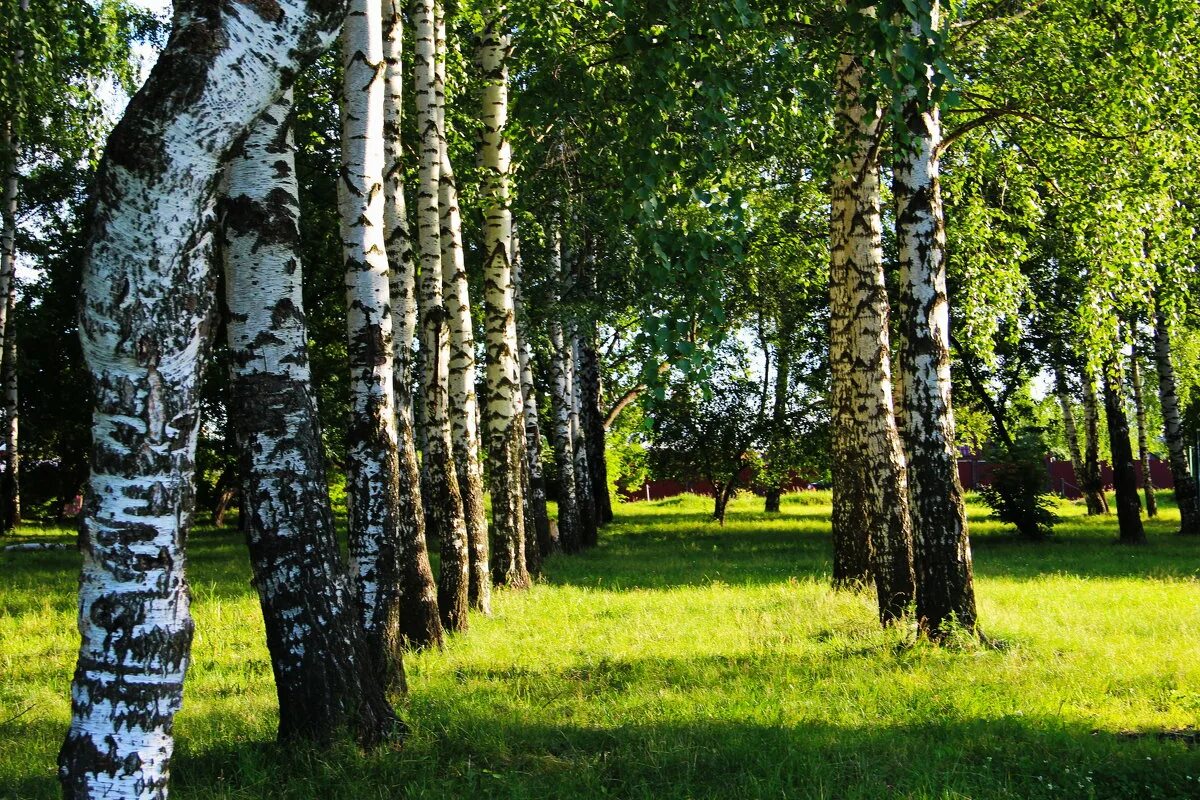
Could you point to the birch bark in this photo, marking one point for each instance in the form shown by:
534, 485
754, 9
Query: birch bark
1139, 404
570, 536
322, 677
1129, 510
420, 625
10, 496
464, 405
1187, 497
503, 414
875, 493
585, 498
1093, 480
850, 223
538, 543
372, 481
945, 589
145, 326
443, 500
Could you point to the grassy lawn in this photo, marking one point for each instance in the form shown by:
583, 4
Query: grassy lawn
684, 660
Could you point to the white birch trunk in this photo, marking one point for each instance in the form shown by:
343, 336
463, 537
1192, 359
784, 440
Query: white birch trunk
464, 405
864, 412
145, 325
503, 413
11, 499
538, 544
420, 625
371, 445
444, 505
321, 676
1139, 404
1187, 496
584, 494
570, 537
945, 588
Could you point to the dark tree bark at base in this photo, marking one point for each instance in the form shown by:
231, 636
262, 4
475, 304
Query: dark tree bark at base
1129, 508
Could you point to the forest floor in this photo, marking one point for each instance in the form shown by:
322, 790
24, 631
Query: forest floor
680, 659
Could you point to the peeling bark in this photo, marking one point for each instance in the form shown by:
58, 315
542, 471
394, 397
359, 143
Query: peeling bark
324, 679
945, 589
420, 625
145, 326
443, 500
1186, 495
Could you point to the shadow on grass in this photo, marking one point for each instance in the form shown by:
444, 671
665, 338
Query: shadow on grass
479, 755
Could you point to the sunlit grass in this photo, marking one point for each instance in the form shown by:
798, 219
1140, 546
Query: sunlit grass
681, 659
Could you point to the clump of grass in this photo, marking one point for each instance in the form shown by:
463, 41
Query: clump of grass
680, 659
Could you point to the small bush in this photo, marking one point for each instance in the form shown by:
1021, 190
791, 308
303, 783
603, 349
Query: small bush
1017, 494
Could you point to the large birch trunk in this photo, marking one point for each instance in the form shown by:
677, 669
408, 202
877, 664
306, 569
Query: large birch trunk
945, 586
865, 429
1129, 509
371, 448
1139, 405
1186, 495
443, 500
851, 530
420, 625
1092, 478
538, 544
145, 326
323, 679
464, 405
586, 500
506, 441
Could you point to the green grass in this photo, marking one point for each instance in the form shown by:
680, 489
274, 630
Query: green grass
684, 660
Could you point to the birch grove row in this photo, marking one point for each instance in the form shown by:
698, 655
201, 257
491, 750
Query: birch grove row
676, 157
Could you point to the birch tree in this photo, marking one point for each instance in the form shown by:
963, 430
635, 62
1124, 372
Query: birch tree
584, 496
945, 589
1129, 510
420, 625
145, 326
505, 431
1093, 481
537, 520
854, 185
1139, 405
464, 405
372, 481
443, 500
323, 679
873, 498
1187, 497
570, 534
10, 496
